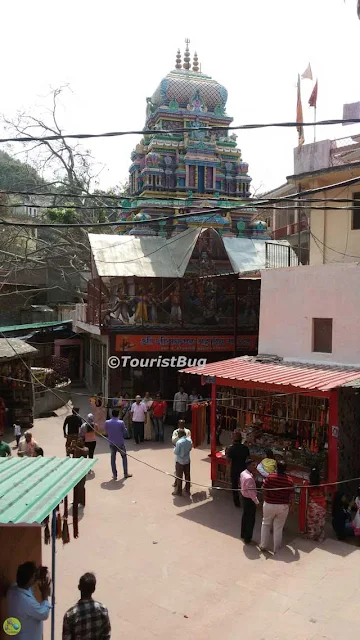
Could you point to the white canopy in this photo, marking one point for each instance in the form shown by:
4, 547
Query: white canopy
155, 256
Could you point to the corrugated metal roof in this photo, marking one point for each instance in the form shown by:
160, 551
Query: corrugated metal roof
300, 376
154, 256
145, 256
30, 488
37, 325
10, 348
248, 254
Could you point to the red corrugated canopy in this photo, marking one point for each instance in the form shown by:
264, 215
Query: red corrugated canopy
288, 374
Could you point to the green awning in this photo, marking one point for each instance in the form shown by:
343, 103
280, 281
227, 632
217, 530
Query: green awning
30, 488
37, 325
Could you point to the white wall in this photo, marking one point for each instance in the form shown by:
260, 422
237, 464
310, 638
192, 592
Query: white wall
292, 297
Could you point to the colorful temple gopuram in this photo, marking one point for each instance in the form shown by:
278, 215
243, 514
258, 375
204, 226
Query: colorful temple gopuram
178, 283
180, 167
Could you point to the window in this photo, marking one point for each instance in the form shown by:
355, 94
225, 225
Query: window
322, 335
355, 223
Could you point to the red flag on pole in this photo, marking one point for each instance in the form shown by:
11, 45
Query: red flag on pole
313, 97
299, 116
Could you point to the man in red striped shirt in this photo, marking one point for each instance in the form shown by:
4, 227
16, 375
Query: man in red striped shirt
276, 505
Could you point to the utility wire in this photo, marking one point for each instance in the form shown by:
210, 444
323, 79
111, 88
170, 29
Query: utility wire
142, 132
259, 205
195, 198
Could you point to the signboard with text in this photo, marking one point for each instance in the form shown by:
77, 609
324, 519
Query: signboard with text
183, 344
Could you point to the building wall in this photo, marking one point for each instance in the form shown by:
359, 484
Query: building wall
292, 297
332, 239
17, 545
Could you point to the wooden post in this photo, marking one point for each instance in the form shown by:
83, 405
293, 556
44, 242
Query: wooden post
333, 438
236, 312
213, 432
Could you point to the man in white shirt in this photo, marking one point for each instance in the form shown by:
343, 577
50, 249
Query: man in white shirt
180, 404
22, 604
182, 462
137, 415
175, 437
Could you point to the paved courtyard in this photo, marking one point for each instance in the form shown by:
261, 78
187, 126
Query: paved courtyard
170, 568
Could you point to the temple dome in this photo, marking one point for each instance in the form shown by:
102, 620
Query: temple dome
182, 85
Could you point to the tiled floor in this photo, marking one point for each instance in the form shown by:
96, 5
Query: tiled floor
168, 567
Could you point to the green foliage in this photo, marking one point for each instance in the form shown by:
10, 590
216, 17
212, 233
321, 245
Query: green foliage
62, 216
17, 176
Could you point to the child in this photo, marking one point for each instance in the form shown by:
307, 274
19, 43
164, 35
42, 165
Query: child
356, 521
17, 434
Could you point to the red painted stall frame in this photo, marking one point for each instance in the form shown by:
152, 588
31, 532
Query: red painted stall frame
318, 383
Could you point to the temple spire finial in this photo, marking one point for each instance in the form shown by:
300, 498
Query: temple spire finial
186, 64
178, 60
196, 62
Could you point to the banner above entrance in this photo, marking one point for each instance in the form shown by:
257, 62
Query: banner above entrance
184, 344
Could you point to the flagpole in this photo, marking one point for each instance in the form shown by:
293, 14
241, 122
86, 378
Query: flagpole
314, 124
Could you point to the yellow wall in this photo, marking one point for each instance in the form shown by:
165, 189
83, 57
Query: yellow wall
332, 240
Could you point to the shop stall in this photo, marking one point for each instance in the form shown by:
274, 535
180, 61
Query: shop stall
16, 388
34, 507
291, 408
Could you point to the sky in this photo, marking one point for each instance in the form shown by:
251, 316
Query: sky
114, 54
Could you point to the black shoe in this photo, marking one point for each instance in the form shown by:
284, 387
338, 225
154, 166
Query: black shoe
247, 540
237, 504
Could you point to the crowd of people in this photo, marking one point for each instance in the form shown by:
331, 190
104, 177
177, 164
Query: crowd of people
268, 484
26, 446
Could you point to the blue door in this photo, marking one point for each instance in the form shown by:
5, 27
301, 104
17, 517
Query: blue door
201, 179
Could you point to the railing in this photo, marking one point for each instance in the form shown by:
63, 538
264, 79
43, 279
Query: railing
277, 255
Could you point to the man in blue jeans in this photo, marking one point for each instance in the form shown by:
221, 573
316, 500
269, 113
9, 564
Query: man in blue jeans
116, 431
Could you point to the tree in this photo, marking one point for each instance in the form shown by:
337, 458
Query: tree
18, 176
72, 171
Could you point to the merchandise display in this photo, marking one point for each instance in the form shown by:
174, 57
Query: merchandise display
294, 426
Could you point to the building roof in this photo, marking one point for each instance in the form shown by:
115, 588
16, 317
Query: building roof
181, 86
11, 348
169, 257
288, 374
30, 488
248, 254
37, 325
145, 256
326, 170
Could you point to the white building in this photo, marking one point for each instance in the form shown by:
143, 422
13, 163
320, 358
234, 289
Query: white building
311, 313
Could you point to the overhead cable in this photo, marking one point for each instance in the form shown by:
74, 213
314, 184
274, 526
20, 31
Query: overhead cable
115, 134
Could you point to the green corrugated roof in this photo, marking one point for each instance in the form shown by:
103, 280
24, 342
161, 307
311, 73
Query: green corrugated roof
30, 488
37, 325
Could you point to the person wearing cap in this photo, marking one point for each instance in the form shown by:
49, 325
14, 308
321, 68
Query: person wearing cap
237, 453
250, 500
88, 434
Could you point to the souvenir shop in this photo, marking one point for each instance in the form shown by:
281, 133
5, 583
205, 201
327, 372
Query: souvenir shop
290, 408
16, 388
48, 483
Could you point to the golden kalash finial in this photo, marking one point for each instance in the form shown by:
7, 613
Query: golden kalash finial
195, 62
178, 60
186, 64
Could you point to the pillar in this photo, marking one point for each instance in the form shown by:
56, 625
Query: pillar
213, 433
333, 438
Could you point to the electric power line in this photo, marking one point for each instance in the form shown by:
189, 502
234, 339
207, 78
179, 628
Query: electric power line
195, 197
142, 132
